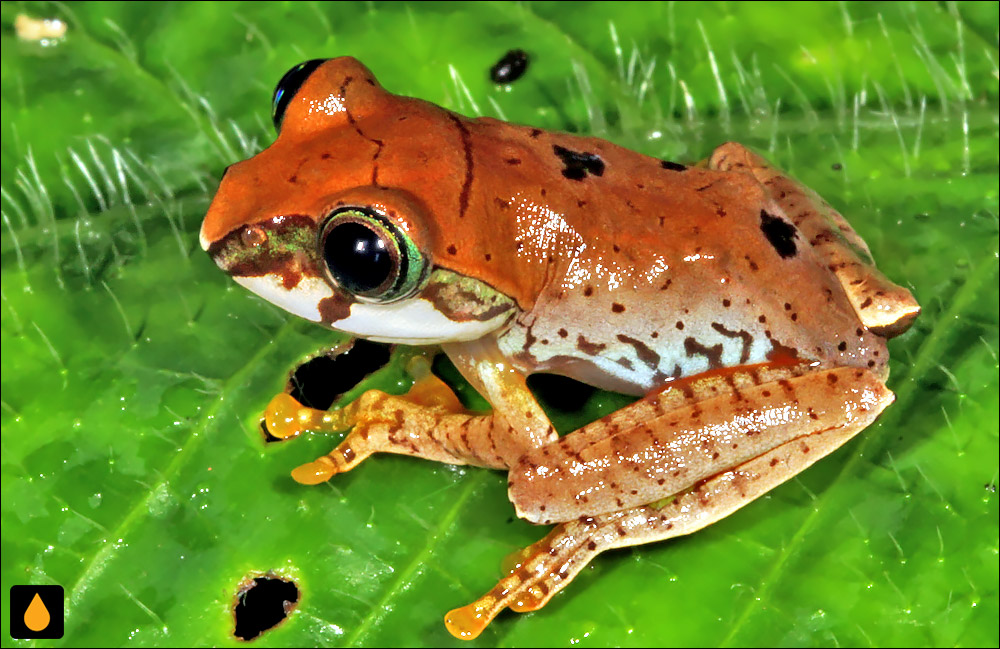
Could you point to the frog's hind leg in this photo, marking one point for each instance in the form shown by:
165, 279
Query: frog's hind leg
547, 566
885, 308
669, 465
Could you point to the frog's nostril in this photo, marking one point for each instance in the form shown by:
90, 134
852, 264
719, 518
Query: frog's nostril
253, 236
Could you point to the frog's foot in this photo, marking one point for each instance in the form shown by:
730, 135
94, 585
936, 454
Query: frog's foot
428, 422
885, 308
285, 417
542, 569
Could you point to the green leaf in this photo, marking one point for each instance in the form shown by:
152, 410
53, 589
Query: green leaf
133, 372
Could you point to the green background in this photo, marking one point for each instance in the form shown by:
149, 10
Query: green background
134, 372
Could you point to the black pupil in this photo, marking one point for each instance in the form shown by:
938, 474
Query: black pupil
358, 258
288, 86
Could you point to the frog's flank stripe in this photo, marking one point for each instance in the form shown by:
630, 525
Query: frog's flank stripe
713, 353
742, 334
650, 358
463, 199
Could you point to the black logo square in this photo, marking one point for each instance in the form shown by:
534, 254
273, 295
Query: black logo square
36, 612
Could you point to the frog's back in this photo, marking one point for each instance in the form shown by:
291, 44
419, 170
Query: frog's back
645, 270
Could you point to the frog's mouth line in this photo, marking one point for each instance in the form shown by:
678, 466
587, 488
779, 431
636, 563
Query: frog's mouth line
415, 321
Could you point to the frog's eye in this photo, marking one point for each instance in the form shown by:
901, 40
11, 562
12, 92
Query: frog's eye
288, 86
368, 256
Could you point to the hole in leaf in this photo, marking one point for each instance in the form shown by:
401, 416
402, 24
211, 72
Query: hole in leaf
323, 379
559, 392
318, 382
262, 603
571, 404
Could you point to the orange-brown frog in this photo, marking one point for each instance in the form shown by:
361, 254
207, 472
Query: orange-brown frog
741, 306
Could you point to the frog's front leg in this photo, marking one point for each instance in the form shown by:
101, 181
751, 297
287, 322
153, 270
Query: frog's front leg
669, 465
427, 422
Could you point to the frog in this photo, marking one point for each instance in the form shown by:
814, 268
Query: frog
742, 311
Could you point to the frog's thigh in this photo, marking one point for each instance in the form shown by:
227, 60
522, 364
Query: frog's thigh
884, 307
695, 429
547, 566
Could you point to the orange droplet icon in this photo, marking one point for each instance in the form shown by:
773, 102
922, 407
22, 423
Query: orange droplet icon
36, 616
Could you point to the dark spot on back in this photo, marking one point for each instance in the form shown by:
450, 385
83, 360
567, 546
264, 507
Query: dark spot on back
780, 233
577, 164
672, 166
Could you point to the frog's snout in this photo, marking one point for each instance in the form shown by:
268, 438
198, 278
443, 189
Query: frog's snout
209, 232
202, 238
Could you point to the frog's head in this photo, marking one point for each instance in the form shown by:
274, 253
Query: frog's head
304, 225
